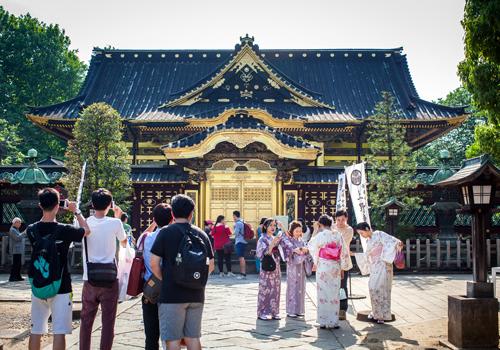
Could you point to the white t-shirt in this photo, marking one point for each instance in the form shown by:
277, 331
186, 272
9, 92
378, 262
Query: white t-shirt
102, 240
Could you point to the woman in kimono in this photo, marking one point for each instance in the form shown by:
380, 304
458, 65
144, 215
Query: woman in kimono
298, 261
268, 302
380, 252
331, 257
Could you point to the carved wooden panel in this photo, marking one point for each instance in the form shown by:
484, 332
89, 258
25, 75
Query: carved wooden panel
225, 194
256, 194
146, 197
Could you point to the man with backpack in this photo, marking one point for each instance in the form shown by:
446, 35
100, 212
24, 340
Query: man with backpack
240, 242
182, 257
48, 273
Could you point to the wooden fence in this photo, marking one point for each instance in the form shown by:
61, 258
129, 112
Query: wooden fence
421, 255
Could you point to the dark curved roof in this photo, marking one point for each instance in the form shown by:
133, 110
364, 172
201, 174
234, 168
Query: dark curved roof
242, 122
139, 82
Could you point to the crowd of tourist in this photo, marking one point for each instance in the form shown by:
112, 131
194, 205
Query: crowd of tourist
177, 260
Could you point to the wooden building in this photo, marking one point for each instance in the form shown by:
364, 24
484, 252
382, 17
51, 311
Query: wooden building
262, 131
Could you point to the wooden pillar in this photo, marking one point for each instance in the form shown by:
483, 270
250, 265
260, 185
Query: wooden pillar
359, 142
202, 178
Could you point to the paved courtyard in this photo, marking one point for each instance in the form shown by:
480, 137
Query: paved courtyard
419, 303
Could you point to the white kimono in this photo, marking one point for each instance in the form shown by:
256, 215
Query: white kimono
381, 250
328, 276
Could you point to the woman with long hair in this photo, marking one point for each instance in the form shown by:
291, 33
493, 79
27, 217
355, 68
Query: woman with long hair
331, 257
222, 245
298, 264
268, 302
259, 233
381, 249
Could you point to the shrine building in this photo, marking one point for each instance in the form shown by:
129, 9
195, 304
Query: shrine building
263, 131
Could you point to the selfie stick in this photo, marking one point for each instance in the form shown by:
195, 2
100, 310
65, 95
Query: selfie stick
80, 190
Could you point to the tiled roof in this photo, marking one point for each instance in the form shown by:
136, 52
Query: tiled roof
242, 122
159, 174
317, 175
138, 82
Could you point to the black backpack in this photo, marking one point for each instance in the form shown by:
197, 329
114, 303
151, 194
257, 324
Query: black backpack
190, 269
45, 270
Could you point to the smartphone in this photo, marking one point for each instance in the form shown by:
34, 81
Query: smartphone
63, 203
112, 204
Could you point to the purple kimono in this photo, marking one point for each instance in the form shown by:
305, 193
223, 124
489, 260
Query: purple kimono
268, 301
296, 268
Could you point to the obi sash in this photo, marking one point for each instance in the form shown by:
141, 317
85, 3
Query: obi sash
330, 252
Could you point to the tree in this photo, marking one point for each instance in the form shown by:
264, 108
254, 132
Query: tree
37, 68
486, 140
392, 166
480, 71
457, 140
9, 143
98, 140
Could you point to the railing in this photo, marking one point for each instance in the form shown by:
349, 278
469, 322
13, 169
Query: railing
420, 254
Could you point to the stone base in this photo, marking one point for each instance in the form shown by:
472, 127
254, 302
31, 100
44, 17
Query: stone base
363, 316
472, 322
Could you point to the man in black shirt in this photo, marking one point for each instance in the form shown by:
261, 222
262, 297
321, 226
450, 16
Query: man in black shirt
60, 305
180, 308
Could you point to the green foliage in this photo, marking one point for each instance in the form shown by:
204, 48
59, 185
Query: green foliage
9, 143
37, 68
480, 70
458, 139
486, 140
98, 140
392, 166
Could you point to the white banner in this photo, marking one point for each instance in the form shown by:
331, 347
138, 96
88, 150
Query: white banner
341, 203
356, 181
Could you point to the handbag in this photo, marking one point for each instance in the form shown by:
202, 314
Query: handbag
100, 274
268, 264
152, 290
399, 260
137, 271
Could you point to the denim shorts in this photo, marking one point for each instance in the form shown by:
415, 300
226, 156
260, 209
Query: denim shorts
240, 249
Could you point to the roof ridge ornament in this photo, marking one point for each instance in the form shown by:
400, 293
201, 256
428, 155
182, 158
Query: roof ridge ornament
247, 40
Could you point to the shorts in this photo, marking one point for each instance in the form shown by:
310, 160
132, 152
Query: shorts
240, 249
179, 321
60, 307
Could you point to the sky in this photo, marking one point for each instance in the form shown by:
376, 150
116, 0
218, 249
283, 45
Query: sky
429, 30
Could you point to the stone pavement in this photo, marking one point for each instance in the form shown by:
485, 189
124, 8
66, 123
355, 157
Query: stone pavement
230, 322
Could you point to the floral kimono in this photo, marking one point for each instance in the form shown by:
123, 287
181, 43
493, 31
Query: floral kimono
297, 266
381, 250
268, 301
328, 275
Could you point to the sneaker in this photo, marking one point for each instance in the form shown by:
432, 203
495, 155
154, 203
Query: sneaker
291, 315
336, 326
221, 274
230, 274
241, 277
380, 321
277, 318
322, 326
342, 315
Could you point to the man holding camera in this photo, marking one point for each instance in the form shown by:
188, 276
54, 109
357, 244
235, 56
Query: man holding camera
60, 305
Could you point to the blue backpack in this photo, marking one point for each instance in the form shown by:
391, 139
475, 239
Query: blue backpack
45, 271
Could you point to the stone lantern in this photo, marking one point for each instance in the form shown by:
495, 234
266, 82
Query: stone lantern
473, 319
392, 209
446, 205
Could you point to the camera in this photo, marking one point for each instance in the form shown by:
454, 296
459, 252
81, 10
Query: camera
63, 203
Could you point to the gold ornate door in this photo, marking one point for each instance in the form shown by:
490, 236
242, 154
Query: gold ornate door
251, 193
